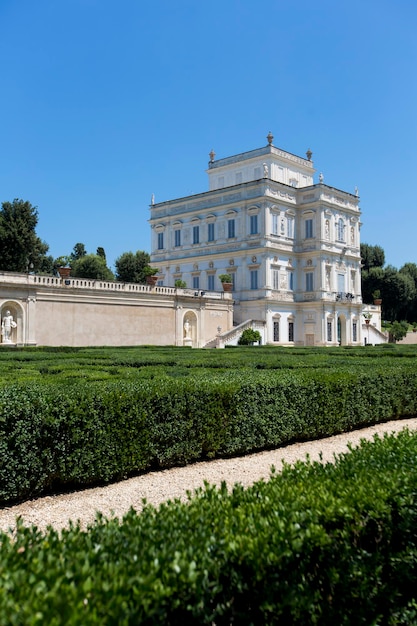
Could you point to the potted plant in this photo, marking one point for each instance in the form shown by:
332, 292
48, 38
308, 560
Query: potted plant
367, 317
63, 266
226, 281
377, 297
150, 274
180, 284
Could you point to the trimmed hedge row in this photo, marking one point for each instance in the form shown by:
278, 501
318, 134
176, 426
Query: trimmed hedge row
52, 365
317, 544
52, 436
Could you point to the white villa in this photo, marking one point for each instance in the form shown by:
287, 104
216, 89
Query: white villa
290, 245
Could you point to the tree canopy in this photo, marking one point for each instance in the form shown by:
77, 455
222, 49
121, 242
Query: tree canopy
21, 250
372, 256
91, 266
398, 330
78, 252
249, 337
130, 267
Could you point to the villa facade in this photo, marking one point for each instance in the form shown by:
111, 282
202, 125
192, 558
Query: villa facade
290, 245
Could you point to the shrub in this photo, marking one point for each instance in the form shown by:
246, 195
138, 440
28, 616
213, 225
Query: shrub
249, 337
54, 435
316, 544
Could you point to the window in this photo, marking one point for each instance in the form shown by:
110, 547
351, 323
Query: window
276, 330
329, 331
160, 241
340, 230
177, 236
291, 281
231, 229
275, 224
253, 224
257, 173
290, 227
210, 232
254, 279
196, 234
210, 282
290, 331
341, 283
309, 228
275, 279
196, 282
309, 281
354, 331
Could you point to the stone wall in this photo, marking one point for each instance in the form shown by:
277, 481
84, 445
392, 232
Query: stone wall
50, 311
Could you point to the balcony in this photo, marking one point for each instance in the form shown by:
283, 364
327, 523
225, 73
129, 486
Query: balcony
341, 296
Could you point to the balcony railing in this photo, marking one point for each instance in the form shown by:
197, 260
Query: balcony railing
341, 296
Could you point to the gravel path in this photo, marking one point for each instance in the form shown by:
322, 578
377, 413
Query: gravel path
160, 486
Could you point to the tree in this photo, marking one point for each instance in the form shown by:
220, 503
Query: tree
130, 267
372, 280
78, 252
398, 330
20, 248
397, 292
91, 266
410, 269
249, 337
372, 256
100, 252
47, 265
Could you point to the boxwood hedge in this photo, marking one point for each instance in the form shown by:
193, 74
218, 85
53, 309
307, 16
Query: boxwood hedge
316, 544
59, 435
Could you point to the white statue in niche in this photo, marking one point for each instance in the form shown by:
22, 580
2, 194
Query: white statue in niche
187, 329
7, 325
327, 229
266, 172
328, 278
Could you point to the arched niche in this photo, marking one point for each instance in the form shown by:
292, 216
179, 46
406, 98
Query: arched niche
12, 322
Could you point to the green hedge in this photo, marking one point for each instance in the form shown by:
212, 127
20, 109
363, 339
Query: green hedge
53, 436
316, 544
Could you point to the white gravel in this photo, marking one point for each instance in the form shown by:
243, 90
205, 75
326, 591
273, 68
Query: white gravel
157, 487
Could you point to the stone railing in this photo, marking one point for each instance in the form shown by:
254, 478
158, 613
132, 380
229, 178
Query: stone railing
332, 296
15, 279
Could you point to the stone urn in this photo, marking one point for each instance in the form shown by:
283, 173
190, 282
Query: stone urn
151, 280
64, 272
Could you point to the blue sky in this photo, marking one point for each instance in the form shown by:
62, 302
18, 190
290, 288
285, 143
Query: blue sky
103, 104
